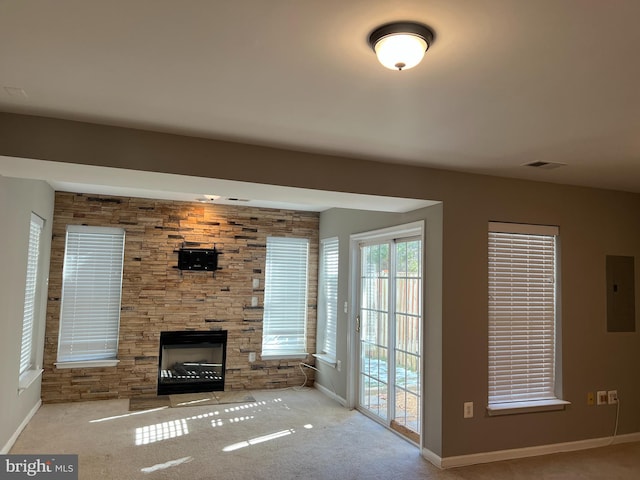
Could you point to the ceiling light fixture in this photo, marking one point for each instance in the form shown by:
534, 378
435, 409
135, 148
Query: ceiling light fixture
401, 45
208, 198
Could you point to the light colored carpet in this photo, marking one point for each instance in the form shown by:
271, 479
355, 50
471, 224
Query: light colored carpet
209, 398
189, 400
283, 434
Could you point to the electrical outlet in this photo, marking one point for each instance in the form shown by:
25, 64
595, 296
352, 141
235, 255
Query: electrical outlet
339, 365
591, 398
252, 356
602, 397
468, 410
612, 397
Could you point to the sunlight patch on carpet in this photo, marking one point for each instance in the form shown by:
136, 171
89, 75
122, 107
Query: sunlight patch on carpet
161, 431
137, 412
164, 466
256, 440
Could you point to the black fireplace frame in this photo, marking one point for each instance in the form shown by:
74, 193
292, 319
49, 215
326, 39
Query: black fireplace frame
188, 338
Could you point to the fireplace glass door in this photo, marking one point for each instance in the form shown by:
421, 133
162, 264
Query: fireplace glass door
191, 362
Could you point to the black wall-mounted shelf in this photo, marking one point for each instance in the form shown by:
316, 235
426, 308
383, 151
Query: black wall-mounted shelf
198, 259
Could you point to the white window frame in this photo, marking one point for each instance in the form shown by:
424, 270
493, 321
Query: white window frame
91, 297
28, 370
284, 325
523, 324
328, 299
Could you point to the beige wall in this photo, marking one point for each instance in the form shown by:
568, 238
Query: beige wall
593, 223
343, 223
158, 297
18, 198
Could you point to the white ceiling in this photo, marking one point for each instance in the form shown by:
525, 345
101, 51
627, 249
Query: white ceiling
506, 82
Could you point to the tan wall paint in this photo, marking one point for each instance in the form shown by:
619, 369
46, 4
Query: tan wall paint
18, 198
158, 297
593, 223
343, 223
75, 142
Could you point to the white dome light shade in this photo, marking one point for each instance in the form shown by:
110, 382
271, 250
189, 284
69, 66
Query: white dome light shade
400, 46
400, 51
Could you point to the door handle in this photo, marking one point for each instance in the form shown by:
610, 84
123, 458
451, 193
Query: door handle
358, 323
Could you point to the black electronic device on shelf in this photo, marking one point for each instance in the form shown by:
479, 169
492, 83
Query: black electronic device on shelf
196, 259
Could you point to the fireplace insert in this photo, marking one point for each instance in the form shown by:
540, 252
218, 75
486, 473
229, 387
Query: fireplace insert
191, 361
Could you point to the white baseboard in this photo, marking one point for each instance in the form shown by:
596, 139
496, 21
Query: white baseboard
18, 431
499, 455
330, 394
432, 457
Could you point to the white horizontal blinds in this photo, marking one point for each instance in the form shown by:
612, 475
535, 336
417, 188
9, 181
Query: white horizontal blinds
28, 319
329, 293
285, 296
91, 292
522, 312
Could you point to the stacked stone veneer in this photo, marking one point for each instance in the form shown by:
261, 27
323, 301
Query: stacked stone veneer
156, 296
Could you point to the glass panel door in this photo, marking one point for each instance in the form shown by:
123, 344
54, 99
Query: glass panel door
408, 314
374, 329
389, 324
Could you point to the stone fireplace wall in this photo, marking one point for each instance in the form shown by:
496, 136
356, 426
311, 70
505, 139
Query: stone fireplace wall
156, 296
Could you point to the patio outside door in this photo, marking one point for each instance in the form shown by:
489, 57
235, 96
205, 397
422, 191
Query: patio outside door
389, 325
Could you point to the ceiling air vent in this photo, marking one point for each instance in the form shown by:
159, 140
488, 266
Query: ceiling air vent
544, 165
16, 92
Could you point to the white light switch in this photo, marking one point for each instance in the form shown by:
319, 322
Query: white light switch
346, 307
255, 283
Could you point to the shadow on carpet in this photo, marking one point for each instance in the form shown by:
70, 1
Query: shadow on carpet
189, 400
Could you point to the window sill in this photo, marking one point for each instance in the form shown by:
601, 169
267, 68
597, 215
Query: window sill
88, 364
328, 359
284, 356
514, 408
28, 378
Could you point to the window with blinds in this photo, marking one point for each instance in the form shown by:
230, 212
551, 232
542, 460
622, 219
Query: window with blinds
522, 313
91, 293
285, 297
28, 320
328, 295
